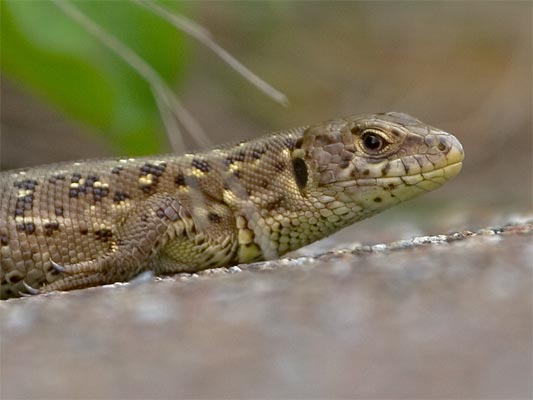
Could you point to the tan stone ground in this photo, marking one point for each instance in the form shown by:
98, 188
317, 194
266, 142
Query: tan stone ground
442, 317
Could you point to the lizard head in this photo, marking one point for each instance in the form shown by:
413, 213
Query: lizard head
357, 166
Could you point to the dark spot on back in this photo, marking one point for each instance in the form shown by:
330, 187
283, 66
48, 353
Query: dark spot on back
59, 211
50, 227
120, 196
366, 172
23, 203
103, 234
26, 184
75, 178
91, 179
155, 170
257, 153
99, 193
116, 170
240, 156
377, 199
201, 165
299, 143
279, 166
4, 240
84, 231
29, 227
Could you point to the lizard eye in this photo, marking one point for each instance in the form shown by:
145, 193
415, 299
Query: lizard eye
373, 142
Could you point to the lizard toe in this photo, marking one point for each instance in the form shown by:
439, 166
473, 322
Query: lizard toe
57, 267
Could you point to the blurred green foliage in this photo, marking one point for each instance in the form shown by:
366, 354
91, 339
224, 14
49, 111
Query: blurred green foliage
54, 57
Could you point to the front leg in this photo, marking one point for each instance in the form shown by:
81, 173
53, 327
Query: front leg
136, 242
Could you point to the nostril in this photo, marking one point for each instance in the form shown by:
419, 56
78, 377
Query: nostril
441, 146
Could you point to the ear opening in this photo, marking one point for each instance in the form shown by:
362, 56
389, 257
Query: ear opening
301, 173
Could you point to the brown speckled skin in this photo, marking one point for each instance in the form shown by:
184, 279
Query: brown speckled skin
103, 221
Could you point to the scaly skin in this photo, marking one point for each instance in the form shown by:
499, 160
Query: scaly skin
80, 224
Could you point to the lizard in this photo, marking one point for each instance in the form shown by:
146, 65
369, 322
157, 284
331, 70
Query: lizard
73, 225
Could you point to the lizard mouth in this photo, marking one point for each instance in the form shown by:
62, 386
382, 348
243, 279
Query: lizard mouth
433, 179
451, 170
401, 188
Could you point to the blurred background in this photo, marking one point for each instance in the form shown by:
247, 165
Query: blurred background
465, 67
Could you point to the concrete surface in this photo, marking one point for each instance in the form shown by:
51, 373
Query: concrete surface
446, 316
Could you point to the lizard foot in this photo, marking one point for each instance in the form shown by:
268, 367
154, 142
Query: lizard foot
77, 281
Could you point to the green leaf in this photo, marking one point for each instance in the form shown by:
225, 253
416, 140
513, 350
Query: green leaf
57, 59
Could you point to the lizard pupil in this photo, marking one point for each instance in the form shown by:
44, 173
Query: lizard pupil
373, 141
300, 172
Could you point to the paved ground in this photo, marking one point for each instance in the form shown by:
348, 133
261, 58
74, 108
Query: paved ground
450, 319
432, 317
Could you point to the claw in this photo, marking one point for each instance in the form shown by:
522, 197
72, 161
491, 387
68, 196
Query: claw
31, 290
57, 267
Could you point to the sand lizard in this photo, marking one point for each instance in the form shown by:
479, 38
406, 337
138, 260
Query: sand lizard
80, 224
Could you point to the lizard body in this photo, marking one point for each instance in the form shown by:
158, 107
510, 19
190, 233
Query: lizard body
80, 224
